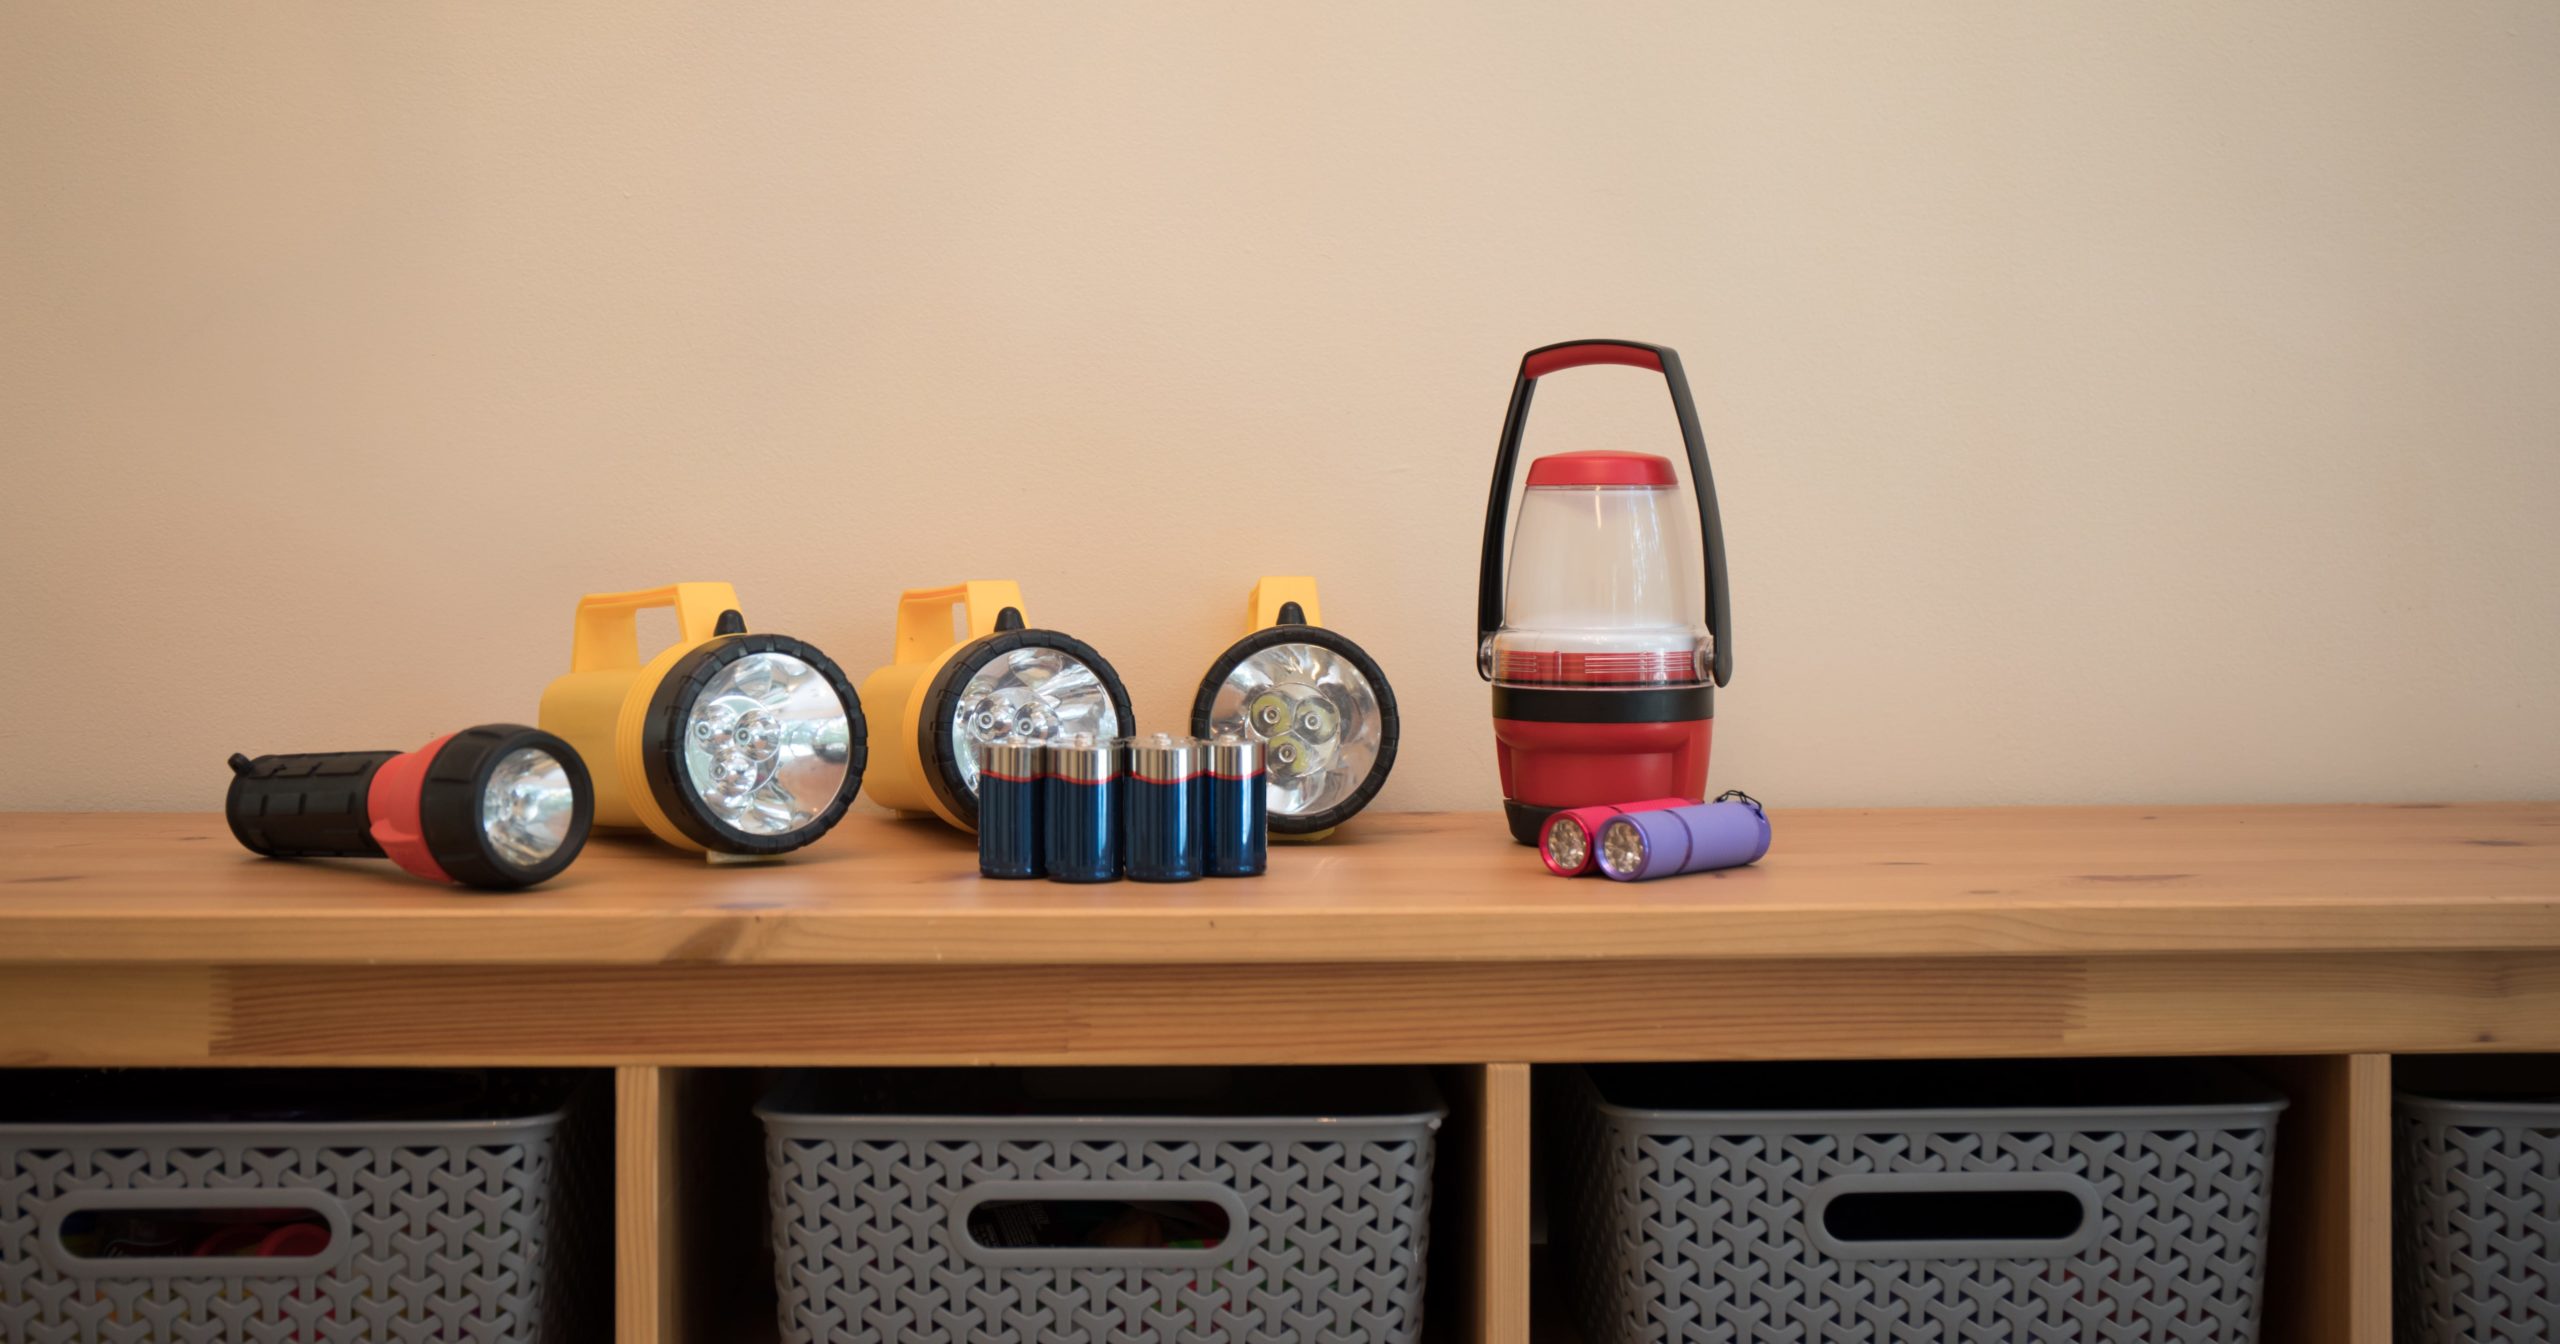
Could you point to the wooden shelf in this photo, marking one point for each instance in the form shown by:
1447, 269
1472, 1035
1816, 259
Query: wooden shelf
175, 888
2315, 941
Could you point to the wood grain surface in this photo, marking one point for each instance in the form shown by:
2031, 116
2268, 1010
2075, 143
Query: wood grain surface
1424, 1013
2029, 882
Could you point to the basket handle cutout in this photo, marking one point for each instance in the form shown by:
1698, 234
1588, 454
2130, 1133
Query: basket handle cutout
1133, 1224
228, 1234
1992, 1215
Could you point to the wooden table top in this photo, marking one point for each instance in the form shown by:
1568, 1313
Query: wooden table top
1416, 887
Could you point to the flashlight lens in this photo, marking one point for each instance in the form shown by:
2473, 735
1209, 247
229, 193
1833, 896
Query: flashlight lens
1621, 848
766, 745
1041, 694
1568, 845
1317, 717
525, 812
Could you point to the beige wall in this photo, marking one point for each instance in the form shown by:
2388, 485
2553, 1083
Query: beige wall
2149, 401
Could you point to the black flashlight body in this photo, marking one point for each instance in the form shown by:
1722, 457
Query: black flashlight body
307, 805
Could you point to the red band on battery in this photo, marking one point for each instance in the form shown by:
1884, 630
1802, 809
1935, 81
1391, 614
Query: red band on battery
393, 805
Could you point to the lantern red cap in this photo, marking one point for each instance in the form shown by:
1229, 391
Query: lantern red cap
1601, 468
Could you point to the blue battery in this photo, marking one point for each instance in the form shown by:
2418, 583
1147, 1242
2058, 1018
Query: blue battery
1009, 788
1235, 809
1079, 826
1161, 824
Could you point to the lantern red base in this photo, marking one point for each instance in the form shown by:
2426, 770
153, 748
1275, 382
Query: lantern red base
1549, 766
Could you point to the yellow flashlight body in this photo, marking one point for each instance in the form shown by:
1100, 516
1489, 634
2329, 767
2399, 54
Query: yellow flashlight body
933, 624
599, 704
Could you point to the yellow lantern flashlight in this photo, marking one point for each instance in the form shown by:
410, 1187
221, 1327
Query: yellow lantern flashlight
1317, 702
725, 742
967, 673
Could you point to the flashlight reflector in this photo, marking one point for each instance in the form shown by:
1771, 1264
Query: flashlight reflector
526, 811
1036, 693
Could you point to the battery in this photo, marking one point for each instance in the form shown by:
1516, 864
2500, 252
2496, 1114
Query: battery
1160, 823
1235, 809
1080, 829
1726, 833
1564, 841
1009, 788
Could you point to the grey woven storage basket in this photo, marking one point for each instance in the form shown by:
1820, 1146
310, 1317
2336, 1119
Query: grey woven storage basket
440, 1193
1911, 1204
879, 1182
2477, 1203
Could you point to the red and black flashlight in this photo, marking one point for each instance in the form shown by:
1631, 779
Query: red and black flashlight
1604, 656
499, 806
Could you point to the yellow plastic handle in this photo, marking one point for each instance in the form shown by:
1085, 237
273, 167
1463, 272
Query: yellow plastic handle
608, 630
924, 615
1276, 591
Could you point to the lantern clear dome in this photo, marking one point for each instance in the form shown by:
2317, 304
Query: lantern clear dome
766, 744
526, 811
1037, 694
1603, 590
1316, 716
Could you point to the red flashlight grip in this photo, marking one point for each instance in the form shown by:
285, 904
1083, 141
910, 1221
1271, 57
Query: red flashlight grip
393, 803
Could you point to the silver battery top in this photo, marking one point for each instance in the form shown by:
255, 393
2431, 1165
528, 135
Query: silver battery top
1164, 758
1232, 757
1015, 758
1084, 758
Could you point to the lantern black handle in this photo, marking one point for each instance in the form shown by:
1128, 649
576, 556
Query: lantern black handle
1548, 359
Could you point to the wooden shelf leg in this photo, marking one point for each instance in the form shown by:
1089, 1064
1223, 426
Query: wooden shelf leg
643, 1285
1491, 1181
2329, 1256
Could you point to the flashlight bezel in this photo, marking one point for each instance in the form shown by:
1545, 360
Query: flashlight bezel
1390, 726
942, 703
450, 793
662, 742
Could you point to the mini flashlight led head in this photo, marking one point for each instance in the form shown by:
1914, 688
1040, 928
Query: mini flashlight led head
499, 806
726, 742
1567, 845
1317, 703
969, 674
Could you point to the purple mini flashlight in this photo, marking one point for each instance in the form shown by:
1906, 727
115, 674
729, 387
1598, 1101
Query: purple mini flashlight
1727, 833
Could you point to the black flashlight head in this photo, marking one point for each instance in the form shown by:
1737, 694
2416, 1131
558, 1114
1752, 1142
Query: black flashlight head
1322, 710
754, 744
503, 806
1035, 685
